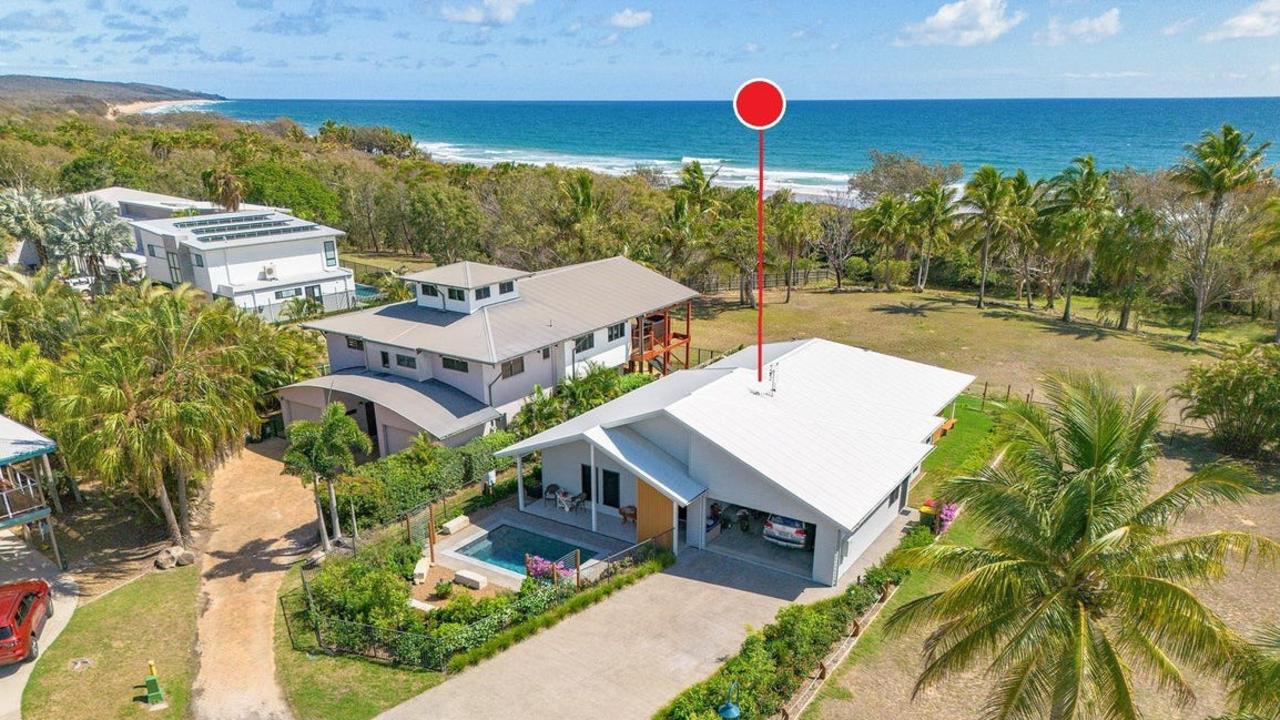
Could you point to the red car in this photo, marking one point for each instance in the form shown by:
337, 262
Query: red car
24, 609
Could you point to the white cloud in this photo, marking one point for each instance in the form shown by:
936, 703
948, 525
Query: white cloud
629, 19
751, 48
1177, 28
1085, 30
1106, 75
608, 40
964, 23
1261, 19
487, 12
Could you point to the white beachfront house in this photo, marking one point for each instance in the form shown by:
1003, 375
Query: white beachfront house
259, 259
826, 447
462, 357
130, 204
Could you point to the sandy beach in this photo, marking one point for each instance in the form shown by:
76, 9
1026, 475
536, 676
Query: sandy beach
143, 106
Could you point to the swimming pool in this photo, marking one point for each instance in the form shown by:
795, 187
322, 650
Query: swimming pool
505, 546
364, 292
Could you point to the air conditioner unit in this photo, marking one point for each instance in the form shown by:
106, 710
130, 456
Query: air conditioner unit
269, 272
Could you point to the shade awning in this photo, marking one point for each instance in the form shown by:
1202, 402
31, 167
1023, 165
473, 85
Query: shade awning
648, 462
438, 409
19, 442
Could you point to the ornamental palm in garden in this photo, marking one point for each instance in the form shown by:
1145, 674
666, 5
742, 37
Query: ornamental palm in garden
1078, 583
887, 223
26, 214
322, 450
989, 215
1080, 206
933, 213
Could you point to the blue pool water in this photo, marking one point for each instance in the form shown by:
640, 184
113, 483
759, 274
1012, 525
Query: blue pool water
364, 292
505, 546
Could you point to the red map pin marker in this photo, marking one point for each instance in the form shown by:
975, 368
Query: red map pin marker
759, 104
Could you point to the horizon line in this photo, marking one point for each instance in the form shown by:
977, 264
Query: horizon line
789, 100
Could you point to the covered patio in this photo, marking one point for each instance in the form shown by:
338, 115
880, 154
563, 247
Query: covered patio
26, 480
645, 503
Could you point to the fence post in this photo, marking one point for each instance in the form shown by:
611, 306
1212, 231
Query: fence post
1008, 391
284, 612
408, 530
311, 608
355, 530
1031, 395
984, 397
577, 567
431, 532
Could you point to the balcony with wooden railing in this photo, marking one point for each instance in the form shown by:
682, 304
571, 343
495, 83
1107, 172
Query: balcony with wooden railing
655, 341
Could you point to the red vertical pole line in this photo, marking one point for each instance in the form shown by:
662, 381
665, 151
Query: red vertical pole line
760, 264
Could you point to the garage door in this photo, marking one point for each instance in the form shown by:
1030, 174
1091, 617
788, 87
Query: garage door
294, 410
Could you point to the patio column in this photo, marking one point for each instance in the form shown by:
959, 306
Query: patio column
675, 528
520, 481
595, 495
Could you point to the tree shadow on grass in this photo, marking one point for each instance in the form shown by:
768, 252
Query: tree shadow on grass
1196, 449
1081, 330
912, 309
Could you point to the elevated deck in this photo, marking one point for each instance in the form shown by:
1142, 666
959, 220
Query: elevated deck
655, 341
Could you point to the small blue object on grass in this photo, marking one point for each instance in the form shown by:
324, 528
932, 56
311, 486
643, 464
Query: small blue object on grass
729, 710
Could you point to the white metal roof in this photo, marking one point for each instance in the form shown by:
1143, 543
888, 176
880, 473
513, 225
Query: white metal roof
234, 229
843, 428
173, 203
636, 453
19, 442
465, 274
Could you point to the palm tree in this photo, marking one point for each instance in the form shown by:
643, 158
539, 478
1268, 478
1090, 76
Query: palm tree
988, 199
1215, 167
39, 308
540, 412
679, 240
933, 213
1257, 687
887, 222
86, 232
696, 187
224, 187
1080, 204
1133, 251
26, 214
1079, 581
791, 226
322, 450
301, 308
1026, 239
26, 383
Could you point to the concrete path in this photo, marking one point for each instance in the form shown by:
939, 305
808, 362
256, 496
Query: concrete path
19, 561
262, 521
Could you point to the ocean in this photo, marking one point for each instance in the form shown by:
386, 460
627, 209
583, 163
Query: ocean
815, 147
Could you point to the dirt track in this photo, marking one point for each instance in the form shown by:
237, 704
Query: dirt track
262, 520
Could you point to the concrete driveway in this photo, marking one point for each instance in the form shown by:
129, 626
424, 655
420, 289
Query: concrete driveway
632, 653
625, 657
19, 561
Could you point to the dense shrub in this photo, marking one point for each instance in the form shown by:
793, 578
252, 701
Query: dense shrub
857, 269
631, 381
1238, 397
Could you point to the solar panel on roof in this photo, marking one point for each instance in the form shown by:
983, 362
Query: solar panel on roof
220, 220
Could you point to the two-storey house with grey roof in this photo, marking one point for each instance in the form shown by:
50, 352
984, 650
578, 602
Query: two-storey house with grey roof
461, 358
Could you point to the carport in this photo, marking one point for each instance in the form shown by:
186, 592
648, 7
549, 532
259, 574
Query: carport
738, 531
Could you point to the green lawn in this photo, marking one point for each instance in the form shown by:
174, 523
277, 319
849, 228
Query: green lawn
152, 618
973, 424
326, 687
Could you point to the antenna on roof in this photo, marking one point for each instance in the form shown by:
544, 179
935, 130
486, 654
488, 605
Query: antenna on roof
773, 383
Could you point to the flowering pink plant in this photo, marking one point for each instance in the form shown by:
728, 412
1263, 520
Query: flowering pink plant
946, 516
540, 567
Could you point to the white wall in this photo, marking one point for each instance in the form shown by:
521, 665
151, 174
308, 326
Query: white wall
608, 354
537, 371
341, 356
244, 264
470, 382
562, 465
468, 304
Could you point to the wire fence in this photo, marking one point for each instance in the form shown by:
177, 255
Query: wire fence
623, 560
712, 284
989, 394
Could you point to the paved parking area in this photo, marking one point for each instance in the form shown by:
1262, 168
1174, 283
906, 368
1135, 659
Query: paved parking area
19, 561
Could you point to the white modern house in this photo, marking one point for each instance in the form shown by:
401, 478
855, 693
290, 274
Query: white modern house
831, 440
462, 357
259, 259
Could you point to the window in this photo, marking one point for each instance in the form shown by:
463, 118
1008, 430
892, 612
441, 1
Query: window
546, 353
584, 343
456, 294
153, 250
483, 293
506, 287
386, 359
512, 367
586, 481
617, 331
330, 253
313, 292
407, 361
288, 293
454, 364
197, 259
430, 290
355, 343
610, 485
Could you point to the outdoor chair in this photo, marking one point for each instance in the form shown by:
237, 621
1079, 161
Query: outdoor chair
575, 502
550, 492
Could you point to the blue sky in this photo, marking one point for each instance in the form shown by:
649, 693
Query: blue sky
642, 49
